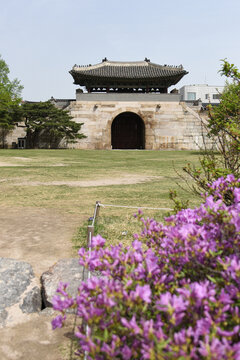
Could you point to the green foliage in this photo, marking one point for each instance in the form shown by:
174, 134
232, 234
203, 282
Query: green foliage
222, 130
212, 166
8, 87
224, 120
10, 92
230, 70
179, 204
47, 125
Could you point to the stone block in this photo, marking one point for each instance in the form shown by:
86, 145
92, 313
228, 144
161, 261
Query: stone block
66, 271
20, 294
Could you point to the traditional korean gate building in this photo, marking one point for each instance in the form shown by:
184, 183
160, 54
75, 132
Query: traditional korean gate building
127, 106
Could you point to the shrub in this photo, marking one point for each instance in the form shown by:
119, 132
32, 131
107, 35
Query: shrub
222, 130
174, 294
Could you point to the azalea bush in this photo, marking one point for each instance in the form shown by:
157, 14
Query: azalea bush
173, 294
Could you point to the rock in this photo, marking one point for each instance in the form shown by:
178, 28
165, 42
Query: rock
20, 294
48, 311
66, 271
31, 301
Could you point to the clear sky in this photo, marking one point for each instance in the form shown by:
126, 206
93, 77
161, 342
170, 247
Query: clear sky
42, 39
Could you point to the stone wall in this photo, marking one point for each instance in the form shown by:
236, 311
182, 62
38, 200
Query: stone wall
12, 137
168, 124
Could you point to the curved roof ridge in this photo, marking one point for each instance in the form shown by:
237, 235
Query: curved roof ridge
125, 64
165, 66
109, 63
86, 67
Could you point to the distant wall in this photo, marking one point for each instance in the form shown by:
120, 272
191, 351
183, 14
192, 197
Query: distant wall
12, 137
168, 123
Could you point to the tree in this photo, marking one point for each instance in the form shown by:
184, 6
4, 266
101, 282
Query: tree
46, 125
10, 97
226, 117
223, 130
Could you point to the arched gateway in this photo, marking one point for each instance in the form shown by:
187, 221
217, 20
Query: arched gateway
128, 131
116, 92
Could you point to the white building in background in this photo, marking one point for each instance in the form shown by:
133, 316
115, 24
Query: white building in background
207, 94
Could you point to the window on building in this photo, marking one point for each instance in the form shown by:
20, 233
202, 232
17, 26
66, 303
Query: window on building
191, 96
207, 96
216, 96
21, 143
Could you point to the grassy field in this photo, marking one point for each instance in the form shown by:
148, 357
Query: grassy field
73, 180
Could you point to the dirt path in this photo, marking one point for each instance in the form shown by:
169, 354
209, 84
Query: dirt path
38, 236
35, 340
124, 179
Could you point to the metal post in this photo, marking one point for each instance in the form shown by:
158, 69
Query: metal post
97, 208
90, 231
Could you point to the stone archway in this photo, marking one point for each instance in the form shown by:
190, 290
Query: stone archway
128, 131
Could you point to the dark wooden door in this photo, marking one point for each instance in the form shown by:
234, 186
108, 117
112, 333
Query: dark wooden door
128, 132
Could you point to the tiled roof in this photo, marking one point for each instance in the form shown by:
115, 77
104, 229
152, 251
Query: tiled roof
141, 70
61, 103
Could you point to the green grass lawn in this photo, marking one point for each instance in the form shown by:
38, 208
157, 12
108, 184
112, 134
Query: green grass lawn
41, 178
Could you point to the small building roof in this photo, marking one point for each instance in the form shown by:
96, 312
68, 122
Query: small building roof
127, 74
61, 103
